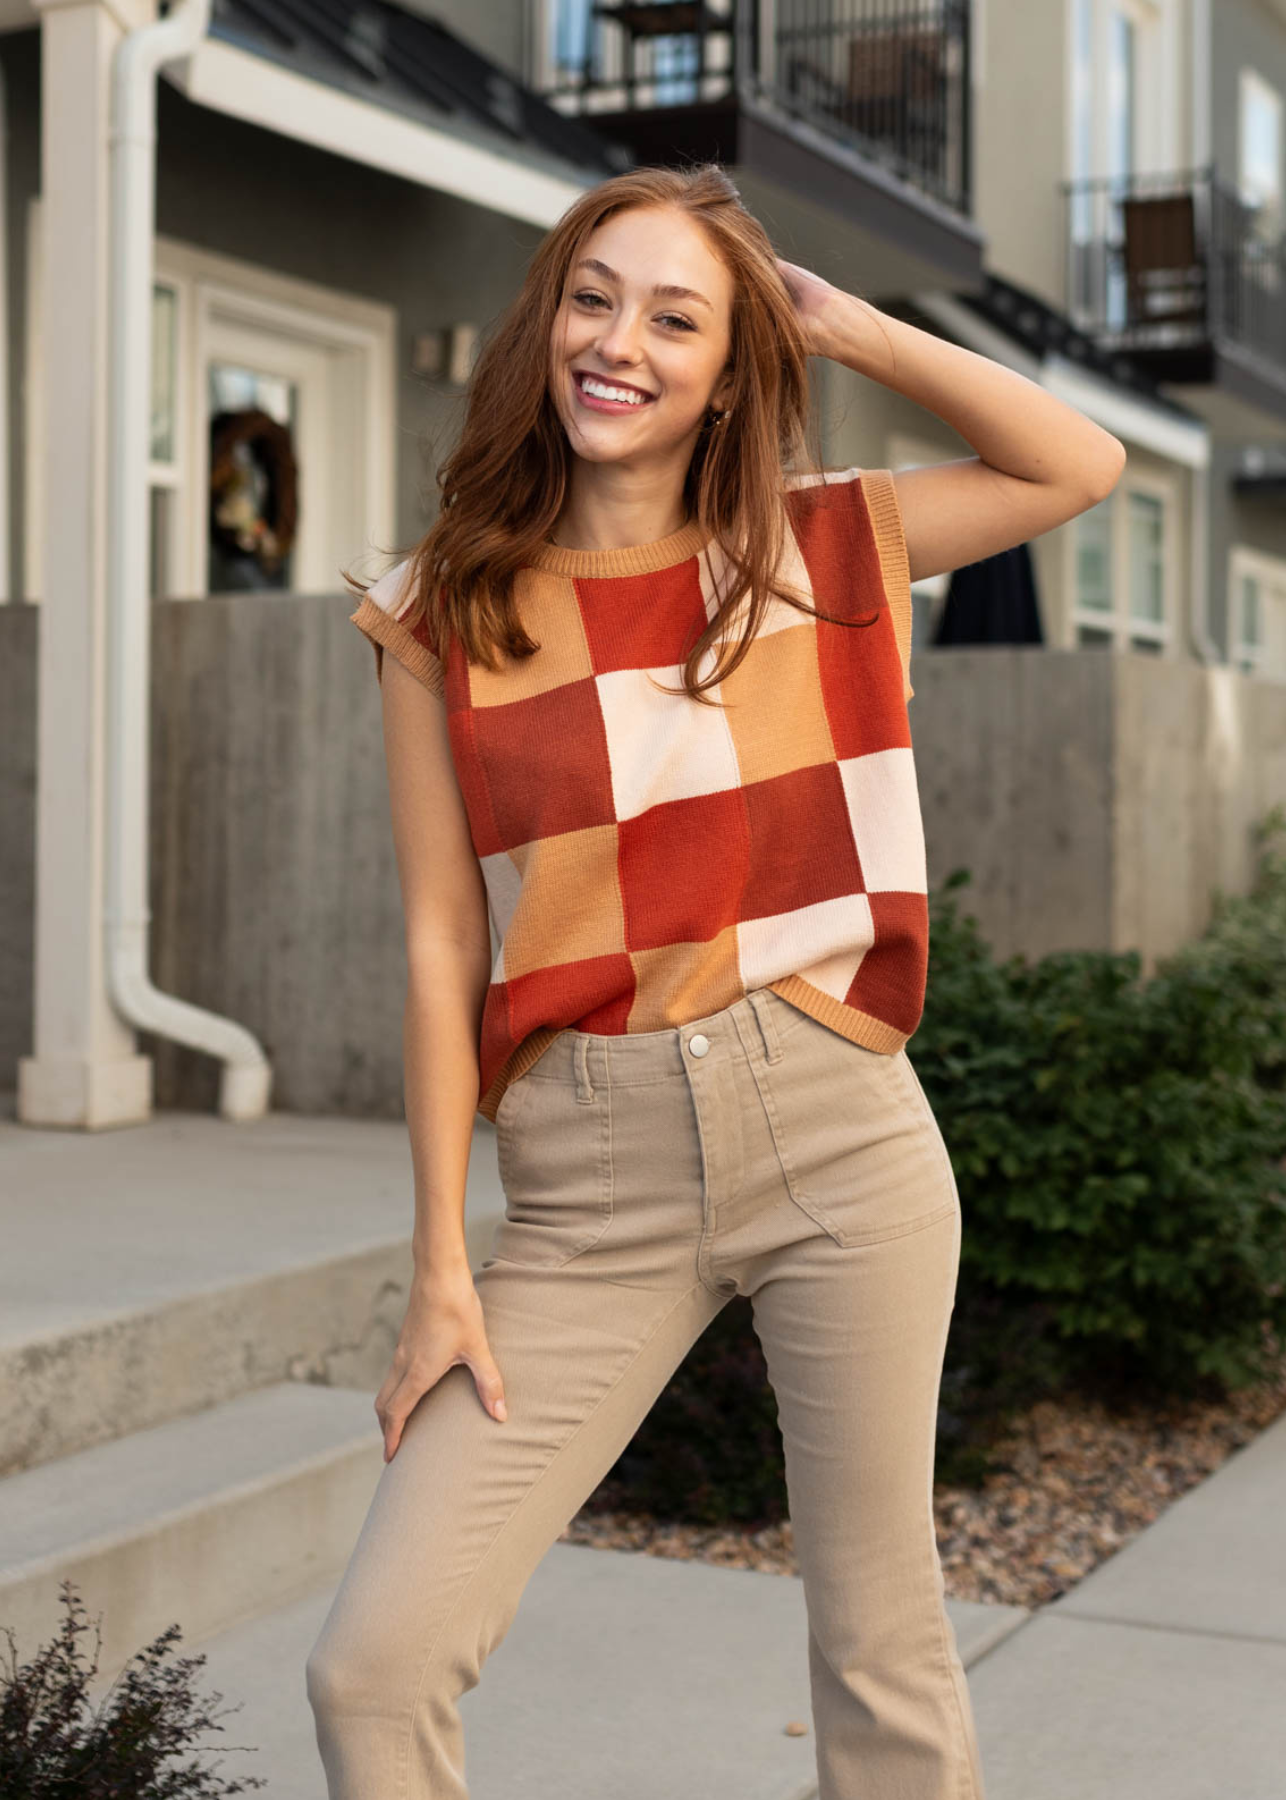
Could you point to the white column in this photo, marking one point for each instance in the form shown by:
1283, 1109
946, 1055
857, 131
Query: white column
84, 1069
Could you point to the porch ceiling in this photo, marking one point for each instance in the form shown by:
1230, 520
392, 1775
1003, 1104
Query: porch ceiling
395, 91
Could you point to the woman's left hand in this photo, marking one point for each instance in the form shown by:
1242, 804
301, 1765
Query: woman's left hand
815, 304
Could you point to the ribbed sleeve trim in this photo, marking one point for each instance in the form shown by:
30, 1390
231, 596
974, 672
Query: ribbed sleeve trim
630, 559
386, 633
890, 543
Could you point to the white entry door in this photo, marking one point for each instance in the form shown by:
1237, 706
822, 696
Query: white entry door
268, 439
278, 468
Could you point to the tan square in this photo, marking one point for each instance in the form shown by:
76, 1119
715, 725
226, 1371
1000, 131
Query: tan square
775, 710
550, 612
570, 908
685, 981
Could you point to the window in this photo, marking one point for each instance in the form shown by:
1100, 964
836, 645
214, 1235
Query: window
1122, 563
1257, 613
1094, 557
1147, 563
165, 475
1122, 93
1259, 152
1125, 116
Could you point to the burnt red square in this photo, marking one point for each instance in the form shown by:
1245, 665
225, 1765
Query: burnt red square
801, 842
891, 981
642, 621
544, 762
682, 869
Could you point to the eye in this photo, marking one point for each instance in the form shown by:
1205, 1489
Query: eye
586, 296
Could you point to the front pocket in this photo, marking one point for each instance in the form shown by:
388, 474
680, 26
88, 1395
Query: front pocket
859, 1149
554, 1156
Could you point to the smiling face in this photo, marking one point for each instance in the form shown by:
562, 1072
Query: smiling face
654, 361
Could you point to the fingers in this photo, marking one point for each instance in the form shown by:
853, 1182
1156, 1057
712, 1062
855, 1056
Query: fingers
399, 1397
491, 1390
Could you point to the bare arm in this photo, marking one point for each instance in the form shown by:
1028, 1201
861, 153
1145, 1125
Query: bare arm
448, 951
1039, 461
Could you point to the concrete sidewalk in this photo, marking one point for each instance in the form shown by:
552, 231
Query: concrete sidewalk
193, 1319
1161, 1676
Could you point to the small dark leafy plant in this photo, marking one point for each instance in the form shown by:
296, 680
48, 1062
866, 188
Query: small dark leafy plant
55, 1745
709, 1452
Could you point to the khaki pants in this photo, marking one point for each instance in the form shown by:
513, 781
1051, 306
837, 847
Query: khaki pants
649, 1178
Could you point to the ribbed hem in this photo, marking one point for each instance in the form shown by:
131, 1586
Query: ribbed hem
629, 559
857, 1026
387, 633
890, 544
532, 1048
849, 1021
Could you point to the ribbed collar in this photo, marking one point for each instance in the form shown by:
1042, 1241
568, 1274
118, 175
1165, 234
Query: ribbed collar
630, 559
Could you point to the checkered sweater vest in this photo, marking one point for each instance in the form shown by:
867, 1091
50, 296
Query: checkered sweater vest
647, 859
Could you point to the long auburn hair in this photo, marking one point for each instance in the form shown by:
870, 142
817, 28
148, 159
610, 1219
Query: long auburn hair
503, 486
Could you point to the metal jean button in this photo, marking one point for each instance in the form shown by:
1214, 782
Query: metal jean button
699, 1044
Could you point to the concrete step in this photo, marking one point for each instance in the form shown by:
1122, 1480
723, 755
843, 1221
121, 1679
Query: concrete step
157, 1270
625, 1674
205, 1520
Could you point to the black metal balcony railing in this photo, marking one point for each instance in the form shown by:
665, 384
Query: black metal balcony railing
1166, 267
889, 78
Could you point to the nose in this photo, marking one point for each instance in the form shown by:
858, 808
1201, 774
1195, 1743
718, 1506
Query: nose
618, 340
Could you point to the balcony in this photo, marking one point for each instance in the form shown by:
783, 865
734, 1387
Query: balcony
1178, 273
859, 107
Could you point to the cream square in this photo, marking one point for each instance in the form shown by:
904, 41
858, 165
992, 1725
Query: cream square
831, 936
715, 575
884, 813
660, 746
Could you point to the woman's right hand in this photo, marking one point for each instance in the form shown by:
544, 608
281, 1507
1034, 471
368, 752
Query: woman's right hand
444, 1325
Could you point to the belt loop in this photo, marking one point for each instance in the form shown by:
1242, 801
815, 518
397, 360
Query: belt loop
584, 1086
767, 1024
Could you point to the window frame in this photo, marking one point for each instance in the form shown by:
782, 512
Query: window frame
1265, 660
1125, 629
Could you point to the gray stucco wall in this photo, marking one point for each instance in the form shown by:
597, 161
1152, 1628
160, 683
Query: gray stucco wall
1097, 799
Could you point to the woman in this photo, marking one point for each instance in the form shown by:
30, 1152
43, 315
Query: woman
652, 729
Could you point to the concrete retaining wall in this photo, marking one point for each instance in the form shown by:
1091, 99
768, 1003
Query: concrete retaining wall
1098, 800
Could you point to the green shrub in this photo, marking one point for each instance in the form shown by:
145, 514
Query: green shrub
1119, 1146
55, 1745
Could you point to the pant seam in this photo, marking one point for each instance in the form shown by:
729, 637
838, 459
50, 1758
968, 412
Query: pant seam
405, 1781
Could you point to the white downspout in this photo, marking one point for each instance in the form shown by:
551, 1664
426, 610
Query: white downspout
247, 1074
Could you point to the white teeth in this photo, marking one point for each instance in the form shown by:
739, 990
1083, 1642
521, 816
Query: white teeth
604, 392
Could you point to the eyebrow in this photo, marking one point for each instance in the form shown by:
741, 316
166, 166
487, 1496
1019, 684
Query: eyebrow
663, 290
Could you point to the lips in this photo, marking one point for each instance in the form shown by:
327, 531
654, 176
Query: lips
611, 381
